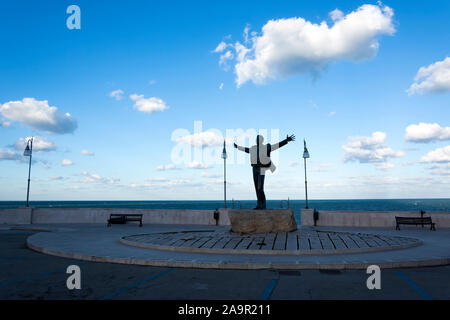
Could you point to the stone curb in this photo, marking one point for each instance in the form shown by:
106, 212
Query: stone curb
28, 229
297, 265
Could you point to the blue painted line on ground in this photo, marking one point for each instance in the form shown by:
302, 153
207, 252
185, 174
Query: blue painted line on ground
269, 289
413, 285
38, 275
136, 284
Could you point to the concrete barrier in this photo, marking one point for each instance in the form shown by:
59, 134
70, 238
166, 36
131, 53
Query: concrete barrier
368, 218
101, 215
16, 216
206, 217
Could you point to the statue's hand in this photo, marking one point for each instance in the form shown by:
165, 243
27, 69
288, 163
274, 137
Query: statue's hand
290, 138
235, 145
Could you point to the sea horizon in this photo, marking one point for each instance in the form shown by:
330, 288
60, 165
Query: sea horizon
399, 204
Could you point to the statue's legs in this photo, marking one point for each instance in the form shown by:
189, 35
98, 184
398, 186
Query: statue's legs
255, 182
258, 180
262, 196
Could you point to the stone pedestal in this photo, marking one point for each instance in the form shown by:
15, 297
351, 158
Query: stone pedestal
307, 217
262, 221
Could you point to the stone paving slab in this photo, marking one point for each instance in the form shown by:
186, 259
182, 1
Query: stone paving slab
282, 243
101, 244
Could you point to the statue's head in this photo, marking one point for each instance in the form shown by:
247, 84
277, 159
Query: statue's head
259, 139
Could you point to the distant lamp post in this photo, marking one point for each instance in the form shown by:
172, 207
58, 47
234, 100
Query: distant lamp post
28, 152
224, 157
305, 156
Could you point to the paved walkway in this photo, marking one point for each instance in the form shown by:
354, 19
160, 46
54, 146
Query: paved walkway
102, 244
26, 274
300, 242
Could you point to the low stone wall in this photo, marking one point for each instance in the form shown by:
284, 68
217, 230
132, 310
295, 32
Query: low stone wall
206, 217
101, 215
368, 218
16, 216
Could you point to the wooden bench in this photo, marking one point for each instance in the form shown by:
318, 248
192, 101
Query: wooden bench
414, 221
115, 218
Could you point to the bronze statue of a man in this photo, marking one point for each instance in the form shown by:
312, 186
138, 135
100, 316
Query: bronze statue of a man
260, 161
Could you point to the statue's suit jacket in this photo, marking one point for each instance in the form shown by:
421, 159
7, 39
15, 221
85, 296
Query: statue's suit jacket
260, 155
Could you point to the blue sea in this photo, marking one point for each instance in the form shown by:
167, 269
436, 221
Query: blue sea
427, 205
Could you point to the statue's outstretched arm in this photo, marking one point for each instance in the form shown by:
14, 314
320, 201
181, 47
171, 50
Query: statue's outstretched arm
245, 149
283, 143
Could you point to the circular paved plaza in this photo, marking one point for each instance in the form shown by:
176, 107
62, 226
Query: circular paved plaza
187, 247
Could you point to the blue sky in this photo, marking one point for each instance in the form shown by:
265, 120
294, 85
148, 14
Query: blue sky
342, 86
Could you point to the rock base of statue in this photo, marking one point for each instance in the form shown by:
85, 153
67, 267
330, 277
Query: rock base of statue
262, 221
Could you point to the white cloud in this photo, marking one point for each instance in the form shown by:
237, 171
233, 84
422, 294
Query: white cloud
434, 78
202, 139
5, 124
437, 155
332, 113
245, 33
427, 132
148, 105
293, 46
156, 179
96, 178
38, 115
198, 165
66, 162
210, 175
87, 153
384, 166
220, 47
39, 144
166, 167
336, 15
9, 155
369, 149
390, 183
224, 58
117, 94
56, 178
440, 170
166, 183
221, 86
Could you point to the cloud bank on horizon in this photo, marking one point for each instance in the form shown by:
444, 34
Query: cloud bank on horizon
294, 46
